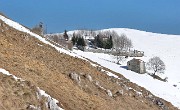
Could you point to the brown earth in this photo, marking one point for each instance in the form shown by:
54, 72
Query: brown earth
18, 95
42, 65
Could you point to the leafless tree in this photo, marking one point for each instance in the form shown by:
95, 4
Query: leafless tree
119, 59
38, 29
55, 38
93, 33
121, 43
81, 32
156, 64
78, 33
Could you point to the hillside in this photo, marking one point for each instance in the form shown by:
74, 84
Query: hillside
153, 44
75, 82
18, 94
162, 45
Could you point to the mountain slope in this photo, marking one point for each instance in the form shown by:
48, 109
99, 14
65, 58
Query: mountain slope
162, 45
18, 94
153, 44
74, 82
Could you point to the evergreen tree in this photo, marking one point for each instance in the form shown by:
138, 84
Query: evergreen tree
109, 43
99, 42
81, 42
66, 35
74, 39
106, 44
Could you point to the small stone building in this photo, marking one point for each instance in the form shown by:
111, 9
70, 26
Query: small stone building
136, 65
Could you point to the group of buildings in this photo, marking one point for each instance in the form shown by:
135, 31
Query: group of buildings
135, 65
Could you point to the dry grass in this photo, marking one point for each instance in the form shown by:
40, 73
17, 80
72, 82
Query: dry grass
17, 95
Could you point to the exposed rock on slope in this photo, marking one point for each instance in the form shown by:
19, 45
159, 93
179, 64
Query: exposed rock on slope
42, 65
16, 95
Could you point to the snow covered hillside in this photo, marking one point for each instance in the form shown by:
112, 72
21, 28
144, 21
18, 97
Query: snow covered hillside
164, 46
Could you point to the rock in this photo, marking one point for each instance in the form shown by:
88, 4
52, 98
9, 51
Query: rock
159, 103
75, 77
89, 77
32, 107
99, 86
150, 96
139, 94
113, 79
97, 83
109, 93
52, 104
119, 93
99, 68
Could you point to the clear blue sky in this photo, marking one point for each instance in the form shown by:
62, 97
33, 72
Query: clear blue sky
162, 16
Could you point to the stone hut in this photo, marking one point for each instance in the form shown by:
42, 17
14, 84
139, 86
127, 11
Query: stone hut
136, 65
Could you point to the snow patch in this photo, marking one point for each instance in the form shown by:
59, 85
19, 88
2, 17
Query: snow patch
51, 102
7, 73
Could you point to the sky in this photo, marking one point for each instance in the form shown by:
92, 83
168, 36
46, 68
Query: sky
159, 16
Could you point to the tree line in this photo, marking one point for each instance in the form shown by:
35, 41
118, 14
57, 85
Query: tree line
104, 39
78, 40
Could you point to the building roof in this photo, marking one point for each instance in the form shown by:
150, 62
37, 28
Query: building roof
139, 60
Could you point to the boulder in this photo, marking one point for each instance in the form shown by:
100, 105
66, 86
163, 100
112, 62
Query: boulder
75, 77
109, 93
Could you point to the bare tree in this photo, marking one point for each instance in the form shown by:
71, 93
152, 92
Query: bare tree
93, 33
78, 33
121, 43
116, 42
81, 32
156, 64
38, 29
119, 59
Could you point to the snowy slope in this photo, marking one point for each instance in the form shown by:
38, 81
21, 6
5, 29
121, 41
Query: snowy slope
164, 46
161, 89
